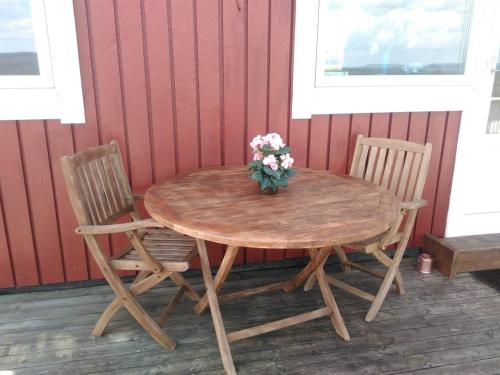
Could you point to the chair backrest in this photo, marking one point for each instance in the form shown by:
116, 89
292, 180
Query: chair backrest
97, 185
397, 165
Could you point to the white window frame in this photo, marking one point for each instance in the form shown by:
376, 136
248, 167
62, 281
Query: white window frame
57, 92
378, 94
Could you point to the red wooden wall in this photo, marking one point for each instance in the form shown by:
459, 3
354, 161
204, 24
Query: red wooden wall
181, 84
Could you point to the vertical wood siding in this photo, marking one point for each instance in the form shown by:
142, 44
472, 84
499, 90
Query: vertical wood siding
182, 84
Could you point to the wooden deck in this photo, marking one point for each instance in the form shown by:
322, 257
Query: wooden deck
440, 326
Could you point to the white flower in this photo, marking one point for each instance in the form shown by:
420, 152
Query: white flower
257, 156
271, 161
275, 141
286, 161
257, 142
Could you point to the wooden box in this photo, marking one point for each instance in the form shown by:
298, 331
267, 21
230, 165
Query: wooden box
464, 254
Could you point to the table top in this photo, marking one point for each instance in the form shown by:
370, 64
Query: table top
317, 209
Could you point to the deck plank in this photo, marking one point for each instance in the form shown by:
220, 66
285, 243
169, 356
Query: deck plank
440, 326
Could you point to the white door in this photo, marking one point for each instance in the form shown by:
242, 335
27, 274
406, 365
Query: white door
475, 198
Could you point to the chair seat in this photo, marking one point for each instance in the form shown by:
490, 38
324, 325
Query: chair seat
173, 250
372, 243
368, 242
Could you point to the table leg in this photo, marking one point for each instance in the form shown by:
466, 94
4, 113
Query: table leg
211, 295
337, 321
308, 270
220, 278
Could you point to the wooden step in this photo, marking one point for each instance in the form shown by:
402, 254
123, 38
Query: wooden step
464, 254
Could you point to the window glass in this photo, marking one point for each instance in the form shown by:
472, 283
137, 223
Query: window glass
496, 84
396, 37
18, 52
494, 116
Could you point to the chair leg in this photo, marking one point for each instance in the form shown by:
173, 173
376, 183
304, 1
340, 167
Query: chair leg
106, 316
387, 261
171, 306
127, 296
141, 275
138, 287
149, 325
182, 282
393, 269
386, 284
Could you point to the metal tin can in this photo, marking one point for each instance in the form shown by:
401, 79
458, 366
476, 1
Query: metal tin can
424, 263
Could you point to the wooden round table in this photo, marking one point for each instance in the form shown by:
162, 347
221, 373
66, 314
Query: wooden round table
317, 211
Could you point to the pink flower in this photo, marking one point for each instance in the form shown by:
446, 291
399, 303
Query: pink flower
286, 161
257, 142
271, 161
257, 156
275, 141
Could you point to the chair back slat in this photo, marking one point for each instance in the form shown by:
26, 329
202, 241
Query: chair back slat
359, 169
371, 163
388, 168
403, 183
112, 187
380, 166
102, 196
88, 197
121, 179
397, 165
413, 177
98, 186
94, 190
396, 171
106, 191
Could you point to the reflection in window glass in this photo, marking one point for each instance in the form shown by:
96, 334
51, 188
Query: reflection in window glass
496, 84
494, 116
393, 37
18, 54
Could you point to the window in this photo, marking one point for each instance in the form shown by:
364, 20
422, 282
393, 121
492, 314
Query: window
385, 56
39, 70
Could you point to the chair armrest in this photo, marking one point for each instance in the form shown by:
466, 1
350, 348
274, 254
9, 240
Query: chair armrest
118, 228
413, 204
138, 196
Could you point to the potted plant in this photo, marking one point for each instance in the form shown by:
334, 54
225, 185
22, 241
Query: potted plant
271, 165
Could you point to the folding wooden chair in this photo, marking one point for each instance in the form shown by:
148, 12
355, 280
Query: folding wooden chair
401, 167
100, 194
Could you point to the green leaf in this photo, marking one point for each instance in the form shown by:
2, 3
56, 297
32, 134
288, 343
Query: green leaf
264, 183
282, 181
290, 172
257, 175
267, 150
256, 164
283, 150
267, 170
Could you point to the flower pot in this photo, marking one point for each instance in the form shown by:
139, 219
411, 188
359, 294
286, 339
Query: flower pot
268, 191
